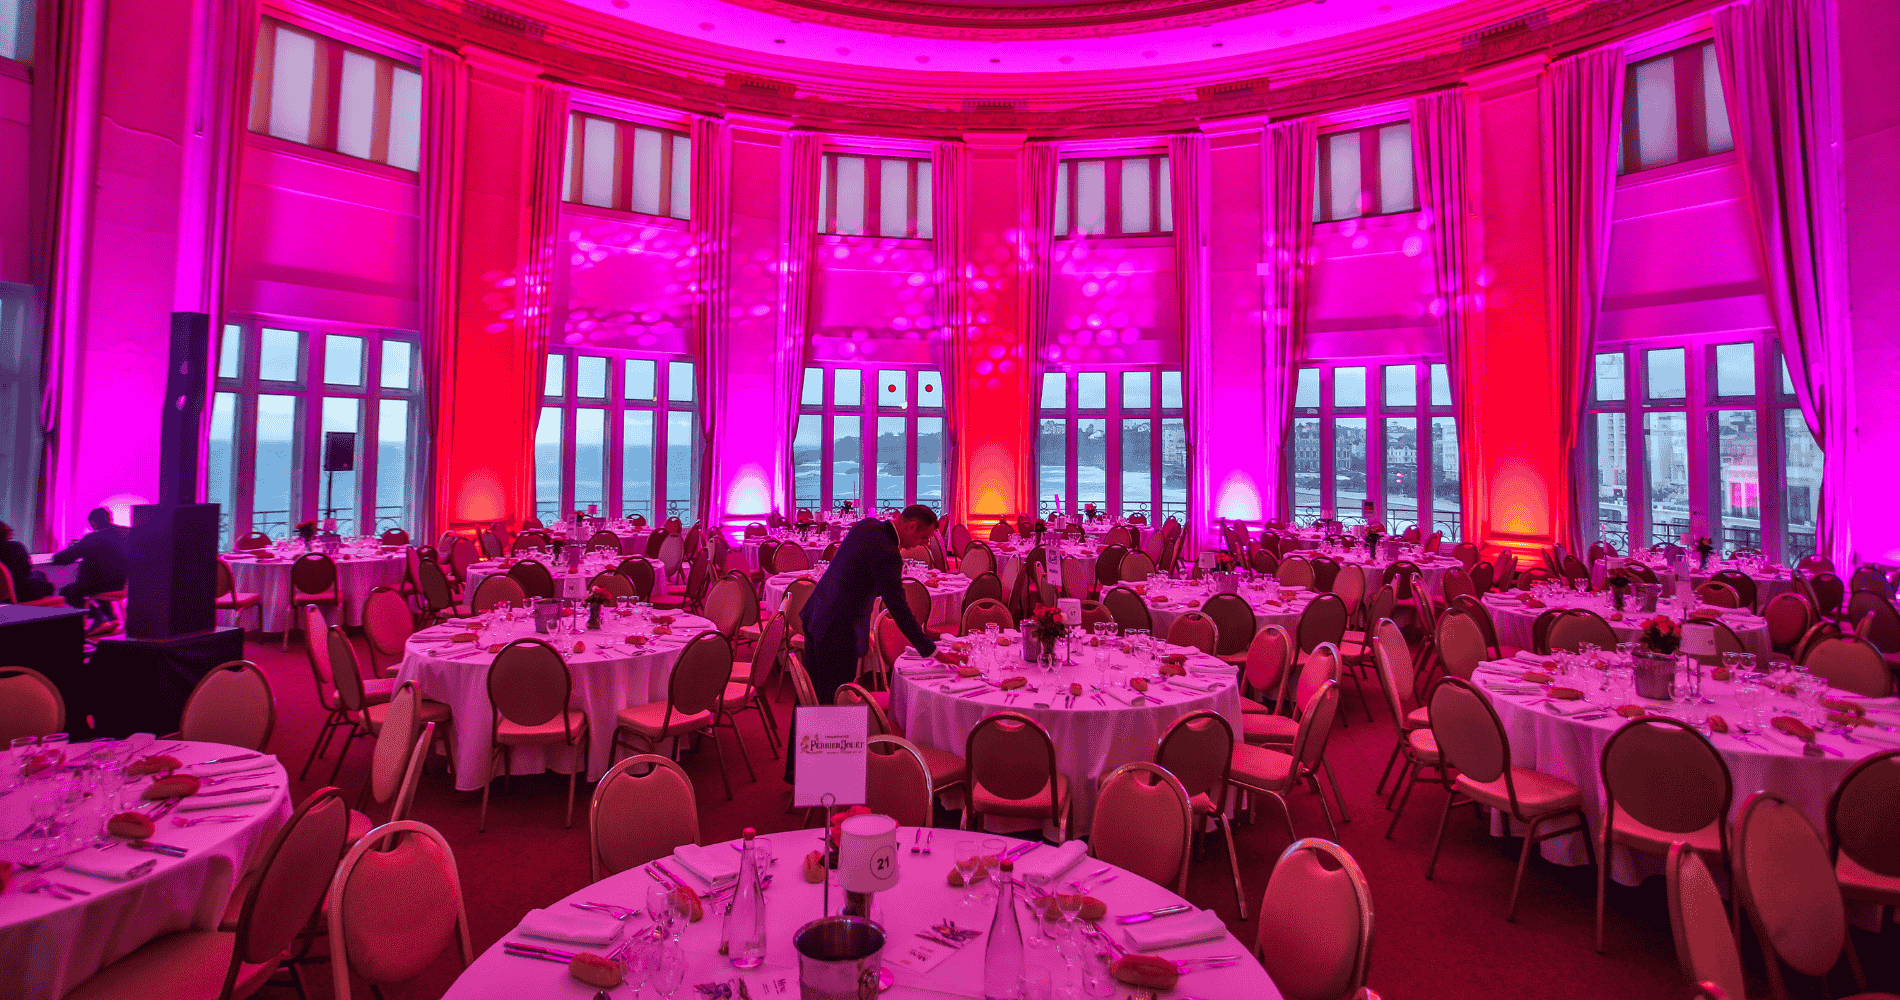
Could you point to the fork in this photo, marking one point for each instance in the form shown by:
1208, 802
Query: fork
616, 912
250, 775
195, 820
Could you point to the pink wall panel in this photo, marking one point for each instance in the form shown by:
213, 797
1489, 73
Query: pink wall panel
628, 282
1228, 438
1115, 300
16, 99
1683, 256
753, 430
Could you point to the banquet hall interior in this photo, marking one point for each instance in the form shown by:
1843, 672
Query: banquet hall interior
725, 498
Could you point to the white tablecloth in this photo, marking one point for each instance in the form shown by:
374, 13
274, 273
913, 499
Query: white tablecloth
946, 598
1184, 596
605, 682
270, 580
1514, 620
1092, 738
1573, 750
48, 946
921, 899
633, 541
1010, 556
814, 547
1769, 583
572, 586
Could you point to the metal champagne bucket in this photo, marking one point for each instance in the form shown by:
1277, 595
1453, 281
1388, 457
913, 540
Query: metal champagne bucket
839, 958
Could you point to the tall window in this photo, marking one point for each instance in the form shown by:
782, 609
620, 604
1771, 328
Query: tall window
19, 412
1364, 171
1677, 438
872, 437
874, 196
282, 389
632, 168
1381, 432
321, 92
1116, 439
1673, 109
619, 433
1116, 196
16, 30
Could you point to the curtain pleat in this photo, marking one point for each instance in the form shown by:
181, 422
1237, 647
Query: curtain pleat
712, 319
1187, 167
1582, 99
1780, 80
1288, 150
804, 158
534, 302
949, 211
444, 121
1439, 154
1034, 249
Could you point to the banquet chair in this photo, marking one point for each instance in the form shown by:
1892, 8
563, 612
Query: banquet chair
977, 559
529, 685
1852, 664
1296, 571
227, 599
293, 875
1234, 626
1303, 675
30, 705
1457, 583
1639, 572
1260, 676
1575, 572
917, 596
1789, 617
394, 907
393, 537
1144, 823
946, 770
636, 818
604, 539
9, 595
694, 690
1315, 938
1814, 563
672, 554
1577, 626
1001, 531
1136, 566
1505, 569
655, 540
1718, 594
1078, 579
313, 583
231, 704
360, 715
1095, 613
1108, 565
1416, 748
1820, 632
1540, 630
1156, 547
1483, 577
1741, 583
1117, 535
1325, 571
1785, 880
1263, 561
1349, 585
1723, 639
726, 605
1275, 773
897, 781
985, 612
1198, 751
957, 539
1466, 553
402, 746
613, 583
1861, 834
1663, 784
318, 654
1824, 589
639, 575
253, 540
490, 543
533, 523
1012, 773
1194, 629
1475, 608
1860, 604
1870, 578
534, 578
791, 557
1702, 926
500, 587
761, 667
1323, 621
1129, 610
438, 598
984, 585
529, 540
1473, 742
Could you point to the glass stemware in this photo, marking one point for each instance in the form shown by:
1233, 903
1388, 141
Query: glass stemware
967, 859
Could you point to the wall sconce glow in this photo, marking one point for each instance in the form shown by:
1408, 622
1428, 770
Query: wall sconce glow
480, 497
1238, 498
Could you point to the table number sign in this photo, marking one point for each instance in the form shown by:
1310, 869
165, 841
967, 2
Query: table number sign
831, 755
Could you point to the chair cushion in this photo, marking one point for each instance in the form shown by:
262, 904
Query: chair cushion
1859, 883
649, 721
1423, 745
1269, 728
190, 965
946, 768
426, 711
552, 732
1034, 807
1537, 792
1418, 718
230, 601
1258, 767
360, 826
1252, 707
1202, 804
1236, 659
1627, 830
882, 699
377, 690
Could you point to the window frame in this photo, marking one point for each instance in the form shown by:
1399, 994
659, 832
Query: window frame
575, 163
869, 411
614, 404
1691, 107
345, 39
918, 214
1371, 177
1067, 196
1375, 411
1113, 413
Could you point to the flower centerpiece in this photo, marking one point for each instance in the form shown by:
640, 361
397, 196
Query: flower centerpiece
1704, 548
1654, 664
597, 599
1374, 532
1225, 580
307, 530
1619, 584
1661, 635
1046, 625
844, 509
1088, 510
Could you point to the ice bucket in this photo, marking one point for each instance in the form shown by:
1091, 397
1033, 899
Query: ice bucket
839, 958
1653, 673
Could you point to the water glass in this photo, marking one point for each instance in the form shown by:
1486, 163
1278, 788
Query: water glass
669, 969
1811, 690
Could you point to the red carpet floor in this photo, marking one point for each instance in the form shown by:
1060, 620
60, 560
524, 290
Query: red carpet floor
1445, 938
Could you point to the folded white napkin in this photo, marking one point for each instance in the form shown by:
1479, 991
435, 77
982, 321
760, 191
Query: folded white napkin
1507, 688
1528, 657
974, 685
1192, 685
195, 804
1051, 863
1174, 932
118, 864
232, 767
572, 926
1573, 707
715, 867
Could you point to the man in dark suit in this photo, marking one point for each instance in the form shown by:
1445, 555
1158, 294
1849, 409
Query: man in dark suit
837, 616
101, 554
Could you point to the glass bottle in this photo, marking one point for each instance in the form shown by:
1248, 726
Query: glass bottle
745, 920
1003, 951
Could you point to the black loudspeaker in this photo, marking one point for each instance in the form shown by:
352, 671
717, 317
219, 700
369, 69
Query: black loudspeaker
339, 451
183, 419
171, 579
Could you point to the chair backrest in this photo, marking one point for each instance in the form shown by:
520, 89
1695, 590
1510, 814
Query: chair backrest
1789, 617
1349, 585
725, 605
897, 781
1002, 531
393, 910
1295, 571
977, 559
1457, 583
1234, 620
917, 596
1815, 563
387, 623
1718, 594
1323, 621
1574, 570
530, 538
490, 543
1136, 566
985, 585
1315, 937
1475, 608
1825, 589
1860, 814
232, 704
253, 540
1820, 632
604, 539
1787, 884
639, 573
1468, 731
1578, 626
852, 693
534, 578
1704, 942
957, 539
500, 587
1012, 757
655, 541
700, 674
612, 582
672, 552
412, 776
435, 585
1851, 664
1876, 620
312, 573
1540, 629
1144, 822
1483, 576
1325, 571
1384, 602
794, 602
293, 876
1667, 776
1317, 712
529, 684
643, 808
1268, 656
1467, 553
1128, 609
802, 689
985, 612
1198, 749
389, 760
1108, 565
1078, 578
346, 676
1394, 658
30, 705
1194, 629
791, 557
1741, 583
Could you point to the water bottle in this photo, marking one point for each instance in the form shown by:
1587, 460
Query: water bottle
1003, 953
745, 921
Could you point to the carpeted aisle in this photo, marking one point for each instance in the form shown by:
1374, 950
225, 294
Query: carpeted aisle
1445, 938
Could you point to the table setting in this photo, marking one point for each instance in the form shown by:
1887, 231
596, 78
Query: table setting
814, 542
362, 565
632, 539
1772, 579
1073, 927
112, 843
1273, 602
946, 589
1057, 548
1514, 613
570, 585
626, 659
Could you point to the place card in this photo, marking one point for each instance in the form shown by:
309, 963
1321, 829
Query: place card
832, 742
764, 983
929, 948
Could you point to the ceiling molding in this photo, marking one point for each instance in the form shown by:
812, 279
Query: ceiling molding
1014, 22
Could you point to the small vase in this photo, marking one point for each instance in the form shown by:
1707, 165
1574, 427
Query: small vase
1616, 597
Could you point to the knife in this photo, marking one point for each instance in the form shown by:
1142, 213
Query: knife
234, 791
226, 760
1165, 911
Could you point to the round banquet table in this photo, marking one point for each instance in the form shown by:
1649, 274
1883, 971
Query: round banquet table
1514, 619
1432, 568
921, 899
1169, 601
946, 596
51, 945
1010, 556
269, 578
609, 676
1770, 581
814, 547
572, 586
1563, 746
632, 540
1093, 736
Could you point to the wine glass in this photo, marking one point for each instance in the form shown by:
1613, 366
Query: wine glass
669, 969
968, 859
660, 907
1069, 904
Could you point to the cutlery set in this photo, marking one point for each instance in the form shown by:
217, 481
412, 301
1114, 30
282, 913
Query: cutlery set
920, 840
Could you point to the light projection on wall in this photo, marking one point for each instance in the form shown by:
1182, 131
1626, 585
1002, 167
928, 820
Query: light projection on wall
877, 300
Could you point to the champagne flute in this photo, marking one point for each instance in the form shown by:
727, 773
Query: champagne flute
967, 860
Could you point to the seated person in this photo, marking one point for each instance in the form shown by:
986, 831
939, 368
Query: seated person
101, 554
29, 584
